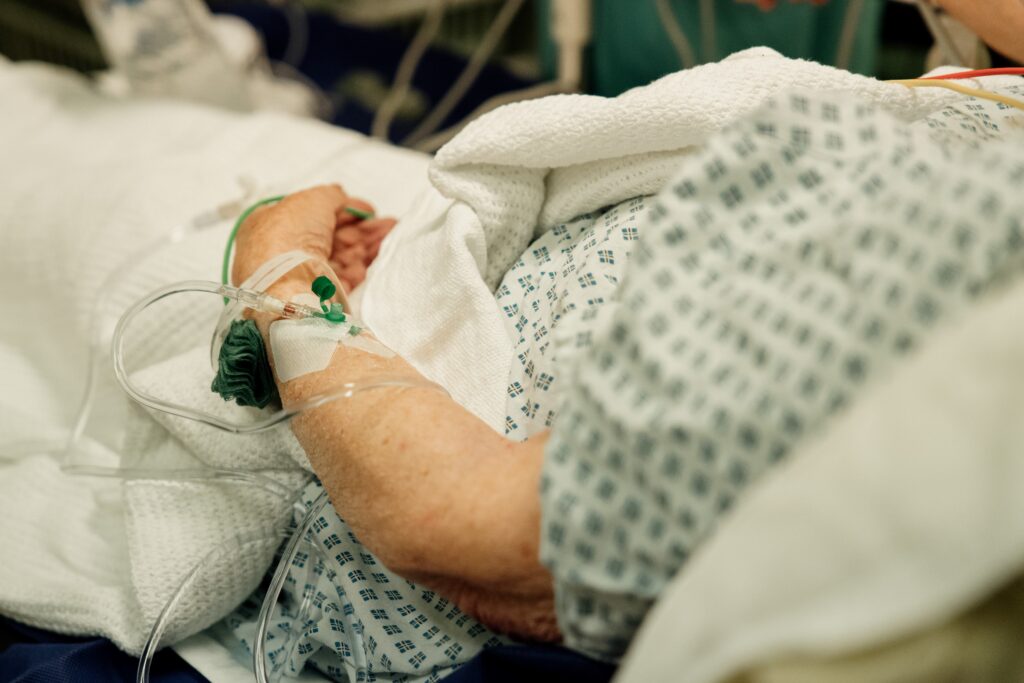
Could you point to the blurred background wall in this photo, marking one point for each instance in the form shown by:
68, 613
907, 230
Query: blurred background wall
351, 48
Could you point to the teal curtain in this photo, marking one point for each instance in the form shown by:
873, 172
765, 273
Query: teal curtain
629, 46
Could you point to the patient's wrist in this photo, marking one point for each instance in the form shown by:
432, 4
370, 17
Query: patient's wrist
296, 282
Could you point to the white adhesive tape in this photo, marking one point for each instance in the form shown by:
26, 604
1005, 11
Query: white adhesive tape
304, 346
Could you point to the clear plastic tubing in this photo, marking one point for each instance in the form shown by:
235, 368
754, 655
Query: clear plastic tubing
342, 390
159, 628
259, 658
259, 654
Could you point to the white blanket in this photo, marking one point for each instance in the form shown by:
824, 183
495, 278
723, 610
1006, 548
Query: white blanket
523, 168
88, 180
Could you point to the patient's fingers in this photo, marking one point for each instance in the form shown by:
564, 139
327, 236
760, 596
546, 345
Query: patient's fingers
371, 252
354, 273
350, 269
351, 275
365, 234
354, 254
375, 224
346, 237
345, 217
338, 268
375, 236
356, 244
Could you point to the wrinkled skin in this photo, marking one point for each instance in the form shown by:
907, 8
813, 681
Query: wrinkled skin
315, 221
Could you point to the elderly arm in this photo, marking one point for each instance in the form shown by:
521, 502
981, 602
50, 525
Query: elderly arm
435, 493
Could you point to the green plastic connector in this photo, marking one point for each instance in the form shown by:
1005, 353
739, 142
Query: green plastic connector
336, 314
354, 330
324, 289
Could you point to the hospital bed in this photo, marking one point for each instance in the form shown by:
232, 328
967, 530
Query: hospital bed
87, 183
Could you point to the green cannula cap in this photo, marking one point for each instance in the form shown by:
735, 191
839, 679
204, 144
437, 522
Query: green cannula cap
323, 287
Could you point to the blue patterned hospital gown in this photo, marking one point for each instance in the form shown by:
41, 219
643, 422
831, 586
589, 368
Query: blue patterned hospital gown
785, 266
556, 299
680, 345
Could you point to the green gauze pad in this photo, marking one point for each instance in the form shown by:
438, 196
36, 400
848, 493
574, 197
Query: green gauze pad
243, 371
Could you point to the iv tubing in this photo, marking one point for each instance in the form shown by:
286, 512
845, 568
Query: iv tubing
407, 69
848, 36
204, 474
978, 73
234, 233
160, 625
264, 276
225, 264
469, 74
259, 659
85, 406
679, 41
345, 390
126, 266
938, 30
708, 32
963, 90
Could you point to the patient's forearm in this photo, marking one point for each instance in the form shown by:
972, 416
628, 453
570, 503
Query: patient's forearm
439, 496
423, 482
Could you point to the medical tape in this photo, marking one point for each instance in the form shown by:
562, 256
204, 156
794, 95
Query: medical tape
301, 347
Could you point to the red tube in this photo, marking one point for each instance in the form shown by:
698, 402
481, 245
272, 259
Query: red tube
976, 73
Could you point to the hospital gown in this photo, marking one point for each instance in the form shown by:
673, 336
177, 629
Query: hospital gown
784, 267
678, 347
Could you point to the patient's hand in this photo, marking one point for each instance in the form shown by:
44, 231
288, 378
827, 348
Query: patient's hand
316, 221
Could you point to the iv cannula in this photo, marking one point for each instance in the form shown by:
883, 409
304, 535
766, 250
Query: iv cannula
261, 301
